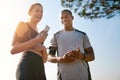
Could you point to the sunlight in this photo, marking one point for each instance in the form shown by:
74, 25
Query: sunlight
10, 15
9, 18
103, 34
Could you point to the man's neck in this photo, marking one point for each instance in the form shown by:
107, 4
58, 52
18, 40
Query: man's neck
69, 28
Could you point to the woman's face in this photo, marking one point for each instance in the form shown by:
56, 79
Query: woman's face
36, 13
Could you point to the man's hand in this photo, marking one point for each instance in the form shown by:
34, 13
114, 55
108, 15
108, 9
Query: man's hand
65, 59
76, 54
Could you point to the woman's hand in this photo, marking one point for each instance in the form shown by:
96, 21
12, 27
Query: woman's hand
41, 50
41, 36
44, 54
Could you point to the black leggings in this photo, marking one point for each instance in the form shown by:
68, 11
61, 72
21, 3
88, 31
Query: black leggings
31, 67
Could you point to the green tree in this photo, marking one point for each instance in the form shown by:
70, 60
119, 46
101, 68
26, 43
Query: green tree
92, 9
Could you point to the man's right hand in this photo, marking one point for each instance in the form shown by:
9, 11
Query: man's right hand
65, 59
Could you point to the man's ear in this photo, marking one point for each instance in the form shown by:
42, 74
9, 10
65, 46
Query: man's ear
62, 22
72, 17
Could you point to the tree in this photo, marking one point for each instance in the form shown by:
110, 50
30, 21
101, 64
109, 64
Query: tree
92, 9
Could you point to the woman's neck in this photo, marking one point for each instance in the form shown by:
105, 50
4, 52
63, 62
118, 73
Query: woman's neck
33, 25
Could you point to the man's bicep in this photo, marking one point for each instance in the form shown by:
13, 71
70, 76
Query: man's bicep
52, 50
86, 42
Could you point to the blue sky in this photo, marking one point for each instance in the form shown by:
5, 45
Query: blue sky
103, 35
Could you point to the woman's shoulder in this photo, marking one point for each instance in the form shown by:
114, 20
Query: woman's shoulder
21, 26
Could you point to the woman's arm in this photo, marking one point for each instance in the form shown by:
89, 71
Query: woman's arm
19, 47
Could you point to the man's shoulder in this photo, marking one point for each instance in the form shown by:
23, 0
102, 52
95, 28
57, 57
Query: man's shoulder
80, 31
58, 32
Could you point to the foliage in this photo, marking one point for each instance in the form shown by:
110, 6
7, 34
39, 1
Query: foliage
92, 9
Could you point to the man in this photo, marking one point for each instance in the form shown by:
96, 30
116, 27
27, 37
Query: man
73, 51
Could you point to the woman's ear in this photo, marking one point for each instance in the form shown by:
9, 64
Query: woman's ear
29, 13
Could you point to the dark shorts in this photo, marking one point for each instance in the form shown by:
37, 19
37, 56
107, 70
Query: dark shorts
31, 67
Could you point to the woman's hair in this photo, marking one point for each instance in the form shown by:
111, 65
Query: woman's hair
32, 7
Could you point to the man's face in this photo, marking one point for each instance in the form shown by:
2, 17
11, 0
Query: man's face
66, 18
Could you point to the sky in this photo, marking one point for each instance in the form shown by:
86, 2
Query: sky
103, 35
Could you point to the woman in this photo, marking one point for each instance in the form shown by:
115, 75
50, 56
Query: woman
27, 40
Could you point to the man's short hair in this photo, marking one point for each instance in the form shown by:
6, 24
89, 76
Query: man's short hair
66, 10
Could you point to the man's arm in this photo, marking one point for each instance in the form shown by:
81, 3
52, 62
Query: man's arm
89, 54
51, 57
54, 59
